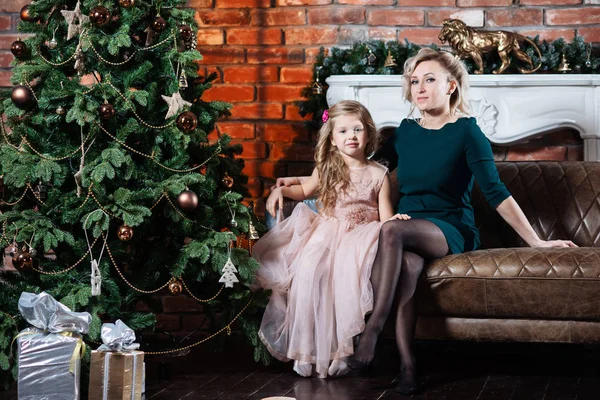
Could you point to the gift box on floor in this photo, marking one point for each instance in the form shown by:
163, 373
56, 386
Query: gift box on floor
117, 367
49, 354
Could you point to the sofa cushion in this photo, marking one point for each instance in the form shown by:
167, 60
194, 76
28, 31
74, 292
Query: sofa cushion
560, 199
556, 283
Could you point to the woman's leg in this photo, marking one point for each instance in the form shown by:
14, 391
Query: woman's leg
420, 236
406, 319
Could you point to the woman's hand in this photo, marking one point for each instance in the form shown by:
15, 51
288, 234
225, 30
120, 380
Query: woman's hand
287, 182
275, 199
554, 243
403, 217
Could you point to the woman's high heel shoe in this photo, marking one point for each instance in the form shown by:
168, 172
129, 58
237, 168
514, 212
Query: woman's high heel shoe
408, 383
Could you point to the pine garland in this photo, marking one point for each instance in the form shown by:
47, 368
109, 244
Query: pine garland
355, 60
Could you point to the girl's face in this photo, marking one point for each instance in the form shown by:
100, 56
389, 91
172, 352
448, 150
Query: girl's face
429, 87
350, 137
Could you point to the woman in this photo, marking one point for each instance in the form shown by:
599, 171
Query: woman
437, 156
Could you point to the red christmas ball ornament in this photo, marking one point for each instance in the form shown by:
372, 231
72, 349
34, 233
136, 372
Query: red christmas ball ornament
159, 24
187, 121
187, 201
99, 16
18, 48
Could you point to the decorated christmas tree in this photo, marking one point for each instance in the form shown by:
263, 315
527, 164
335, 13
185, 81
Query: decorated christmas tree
112, 192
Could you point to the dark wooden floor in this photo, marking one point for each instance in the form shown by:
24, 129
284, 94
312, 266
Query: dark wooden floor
448, 370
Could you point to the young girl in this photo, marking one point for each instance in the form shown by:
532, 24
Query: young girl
318, 265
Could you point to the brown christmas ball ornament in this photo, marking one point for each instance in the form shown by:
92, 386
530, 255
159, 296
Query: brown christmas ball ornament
227, 181
125, 232
187, 201
22, 260
100, 16
187, 121
126, 3
185, 32
22, 97
18, 48
159, 24
26, 14
175, 287
106, 111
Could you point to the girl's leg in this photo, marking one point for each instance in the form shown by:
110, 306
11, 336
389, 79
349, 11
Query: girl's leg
406, 319
420, 236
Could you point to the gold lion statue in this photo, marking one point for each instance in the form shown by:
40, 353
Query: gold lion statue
469, 42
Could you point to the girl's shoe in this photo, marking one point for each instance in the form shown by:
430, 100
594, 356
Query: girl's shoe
339, 367
303, 368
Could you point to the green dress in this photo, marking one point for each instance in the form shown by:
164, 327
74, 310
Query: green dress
436, 171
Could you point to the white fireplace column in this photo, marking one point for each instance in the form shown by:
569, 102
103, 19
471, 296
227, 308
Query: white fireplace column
508, 108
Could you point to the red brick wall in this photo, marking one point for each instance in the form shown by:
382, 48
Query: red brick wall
263, 52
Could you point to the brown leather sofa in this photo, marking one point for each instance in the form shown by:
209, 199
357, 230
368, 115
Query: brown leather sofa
507, 291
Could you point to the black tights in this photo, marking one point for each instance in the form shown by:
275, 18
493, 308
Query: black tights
403, 248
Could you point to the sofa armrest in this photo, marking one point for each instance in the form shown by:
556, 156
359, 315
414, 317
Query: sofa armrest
288, 207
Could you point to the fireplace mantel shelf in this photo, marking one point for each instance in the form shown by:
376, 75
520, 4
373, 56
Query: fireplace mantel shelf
508, 108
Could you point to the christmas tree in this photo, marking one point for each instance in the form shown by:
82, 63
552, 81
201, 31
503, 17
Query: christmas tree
112, 192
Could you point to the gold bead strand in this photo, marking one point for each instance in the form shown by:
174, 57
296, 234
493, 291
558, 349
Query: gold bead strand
152, 157
69, 268
226, 328
24, 139
196, 298
147, 125
16, 202
112, 259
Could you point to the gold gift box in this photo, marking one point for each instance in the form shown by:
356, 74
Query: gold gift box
116, 375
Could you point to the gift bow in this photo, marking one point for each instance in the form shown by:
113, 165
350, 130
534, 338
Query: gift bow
50, 316
117, 337
45, 313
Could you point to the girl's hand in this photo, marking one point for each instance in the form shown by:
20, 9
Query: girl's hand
555, 243
275, 199
403, 217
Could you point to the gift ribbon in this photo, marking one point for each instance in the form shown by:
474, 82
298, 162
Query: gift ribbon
106, 377
78, 352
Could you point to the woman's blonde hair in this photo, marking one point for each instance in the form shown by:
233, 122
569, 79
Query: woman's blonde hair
456, 70
334, 175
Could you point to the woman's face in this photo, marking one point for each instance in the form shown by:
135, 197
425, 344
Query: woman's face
429, 87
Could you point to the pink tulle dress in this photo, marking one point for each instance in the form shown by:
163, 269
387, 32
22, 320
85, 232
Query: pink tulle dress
319, 269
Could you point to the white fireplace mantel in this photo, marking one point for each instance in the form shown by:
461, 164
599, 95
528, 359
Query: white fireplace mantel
508, 108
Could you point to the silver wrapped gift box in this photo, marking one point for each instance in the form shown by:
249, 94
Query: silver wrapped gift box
49, 353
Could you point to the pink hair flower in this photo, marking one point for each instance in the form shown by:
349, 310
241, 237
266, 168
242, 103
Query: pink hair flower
325, 116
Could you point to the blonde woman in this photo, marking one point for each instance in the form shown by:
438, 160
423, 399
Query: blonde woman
438, 157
